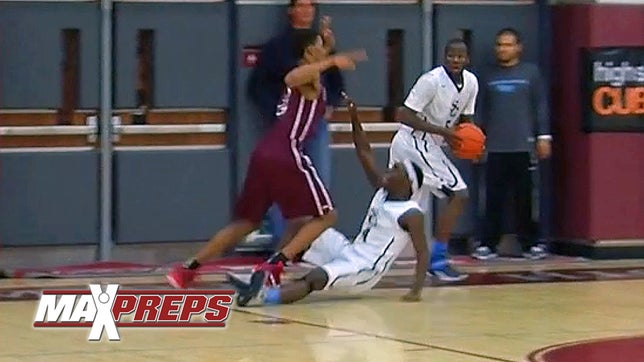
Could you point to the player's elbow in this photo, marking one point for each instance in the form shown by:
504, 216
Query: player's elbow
298, 76
291, 80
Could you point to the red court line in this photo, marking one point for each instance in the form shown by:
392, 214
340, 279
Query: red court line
175, 291
130, 324
62, 324
171, 324
65, 291
579, 349
144, 291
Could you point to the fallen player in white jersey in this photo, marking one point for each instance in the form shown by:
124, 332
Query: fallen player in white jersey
392, 221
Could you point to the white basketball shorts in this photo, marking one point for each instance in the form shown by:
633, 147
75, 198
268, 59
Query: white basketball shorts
440, 176
346, 270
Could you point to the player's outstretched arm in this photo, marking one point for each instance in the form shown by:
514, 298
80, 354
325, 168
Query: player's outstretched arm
363, 148
413, 222
305, 74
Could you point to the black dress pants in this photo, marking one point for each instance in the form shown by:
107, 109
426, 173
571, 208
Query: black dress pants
508, 178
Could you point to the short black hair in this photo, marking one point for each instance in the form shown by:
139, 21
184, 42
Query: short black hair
293, 3
419, 174
510, 31
302, 39
456, 41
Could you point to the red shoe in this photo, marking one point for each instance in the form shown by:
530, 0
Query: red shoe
273, 273
180, 277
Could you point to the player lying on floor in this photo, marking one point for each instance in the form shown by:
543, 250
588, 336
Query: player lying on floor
391, 222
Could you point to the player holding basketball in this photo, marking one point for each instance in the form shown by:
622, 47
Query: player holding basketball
392, 221
441, 99
278, 171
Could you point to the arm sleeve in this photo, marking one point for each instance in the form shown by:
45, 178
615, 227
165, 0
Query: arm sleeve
422, 93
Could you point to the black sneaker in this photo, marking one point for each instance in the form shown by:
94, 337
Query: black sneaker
247, 292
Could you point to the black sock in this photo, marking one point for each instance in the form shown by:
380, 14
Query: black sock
277, 257
191, 264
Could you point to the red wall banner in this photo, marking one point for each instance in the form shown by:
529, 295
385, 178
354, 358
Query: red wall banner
599, 190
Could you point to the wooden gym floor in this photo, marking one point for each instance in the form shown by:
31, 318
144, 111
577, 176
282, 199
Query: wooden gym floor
505, 312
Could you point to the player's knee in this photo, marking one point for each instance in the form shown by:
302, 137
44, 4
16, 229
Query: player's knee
317, 279
246, 223
294, 225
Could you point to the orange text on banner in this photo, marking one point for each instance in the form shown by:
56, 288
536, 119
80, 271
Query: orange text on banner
622, 101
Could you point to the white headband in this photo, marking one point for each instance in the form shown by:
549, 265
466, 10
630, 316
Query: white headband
411, 174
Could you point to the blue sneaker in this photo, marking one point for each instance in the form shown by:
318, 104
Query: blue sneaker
446, 273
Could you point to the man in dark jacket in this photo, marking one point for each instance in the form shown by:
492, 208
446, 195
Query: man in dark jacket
266, 86
514, 114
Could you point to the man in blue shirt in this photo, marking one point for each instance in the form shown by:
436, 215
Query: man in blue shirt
514, 115
266, 86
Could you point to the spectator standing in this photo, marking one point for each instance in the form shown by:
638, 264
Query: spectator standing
515, 116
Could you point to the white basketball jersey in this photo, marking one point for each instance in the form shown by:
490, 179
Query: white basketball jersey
437, 99
381, 237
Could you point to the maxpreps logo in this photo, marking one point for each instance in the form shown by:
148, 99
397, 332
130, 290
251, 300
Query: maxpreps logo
104, 310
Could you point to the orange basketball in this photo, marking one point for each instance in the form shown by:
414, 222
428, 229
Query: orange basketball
472, 141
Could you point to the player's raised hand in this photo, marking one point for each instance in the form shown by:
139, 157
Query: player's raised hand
326, 33
348, 60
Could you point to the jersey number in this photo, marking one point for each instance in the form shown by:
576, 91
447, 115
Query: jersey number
453, 112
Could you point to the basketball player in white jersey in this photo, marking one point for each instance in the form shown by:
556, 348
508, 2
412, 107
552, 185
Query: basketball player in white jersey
441, 98
393, 220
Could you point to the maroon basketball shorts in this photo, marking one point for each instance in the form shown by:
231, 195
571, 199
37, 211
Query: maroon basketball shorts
292, 183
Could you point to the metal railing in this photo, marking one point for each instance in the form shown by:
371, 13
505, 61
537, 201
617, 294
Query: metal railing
91, 129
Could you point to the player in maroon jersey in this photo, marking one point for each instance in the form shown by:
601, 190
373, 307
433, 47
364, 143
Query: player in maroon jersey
279, 171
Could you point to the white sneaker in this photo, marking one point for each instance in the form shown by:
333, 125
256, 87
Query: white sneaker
536, 253
483, 253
